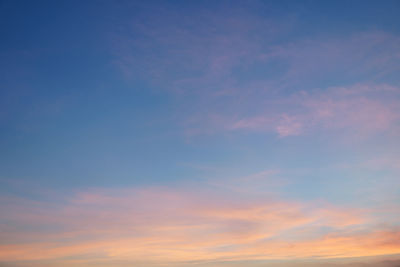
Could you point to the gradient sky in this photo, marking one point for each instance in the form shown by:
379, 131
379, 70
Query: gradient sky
200, 133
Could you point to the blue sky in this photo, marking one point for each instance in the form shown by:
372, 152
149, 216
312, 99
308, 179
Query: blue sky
264, 126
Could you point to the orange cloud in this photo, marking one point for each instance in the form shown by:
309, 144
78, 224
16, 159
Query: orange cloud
160, 225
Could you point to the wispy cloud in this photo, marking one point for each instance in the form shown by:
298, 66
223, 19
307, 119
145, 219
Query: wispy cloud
229, 78
360, 110
160, 224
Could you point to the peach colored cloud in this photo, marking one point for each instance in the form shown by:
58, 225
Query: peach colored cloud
162, 225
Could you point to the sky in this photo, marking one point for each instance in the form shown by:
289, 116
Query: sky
200, 133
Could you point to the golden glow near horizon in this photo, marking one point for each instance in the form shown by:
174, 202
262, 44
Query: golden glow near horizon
160, 225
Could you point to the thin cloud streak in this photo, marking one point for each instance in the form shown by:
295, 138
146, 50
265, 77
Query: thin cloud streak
231, 79
159, 224
351, 111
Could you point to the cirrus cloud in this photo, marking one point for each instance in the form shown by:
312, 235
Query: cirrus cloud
160, 224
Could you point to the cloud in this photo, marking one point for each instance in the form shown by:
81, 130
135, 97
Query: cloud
362, 56
218, 55
165, 226
239, 74
360, 110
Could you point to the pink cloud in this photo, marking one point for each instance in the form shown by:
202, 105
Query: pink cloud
289, 125
352, 110
361, 54
210, 68
226, 77
156, 224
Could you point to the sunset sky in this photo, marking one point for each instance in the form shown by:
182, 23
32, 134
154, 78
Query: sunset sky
200, 133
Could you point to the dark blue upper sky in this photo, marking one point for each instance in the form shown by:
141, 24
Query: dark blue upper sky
68, 113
